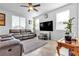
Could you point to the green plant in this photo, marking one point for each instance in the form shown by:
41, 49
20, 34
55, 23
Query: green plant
69, 26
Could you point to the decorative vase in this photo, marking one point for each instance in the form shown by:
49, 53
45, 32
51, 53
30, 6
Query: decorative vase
68, 37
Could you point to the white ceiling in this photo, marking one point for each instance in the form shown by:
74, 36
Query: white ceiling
44, 7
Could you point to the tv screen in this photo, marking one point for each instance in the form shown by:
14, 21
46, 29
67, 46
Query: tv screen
46, 26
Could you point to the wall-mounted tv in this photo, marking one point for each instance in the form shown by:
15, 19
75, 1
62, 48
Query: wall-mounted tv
46, 26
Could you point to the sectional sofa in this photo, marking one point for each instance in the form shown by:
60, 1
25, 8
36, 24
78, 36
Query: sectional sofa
10, 46
22, 34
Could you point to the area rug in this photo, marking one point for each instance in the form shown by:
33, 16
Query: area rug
32, 44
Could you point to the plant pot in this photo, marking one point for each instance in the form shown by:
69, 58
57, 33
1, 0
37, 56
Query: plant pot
68, 38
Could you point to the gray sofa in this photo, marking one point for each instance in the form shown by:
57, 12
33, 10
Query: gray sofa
22, 34
10, 46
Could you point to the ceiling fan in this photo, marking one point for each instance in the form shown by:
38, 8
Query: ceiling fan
31, 7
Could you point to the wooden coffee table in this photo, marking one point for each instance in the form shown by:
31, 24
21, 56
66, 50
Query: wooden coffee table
73, 46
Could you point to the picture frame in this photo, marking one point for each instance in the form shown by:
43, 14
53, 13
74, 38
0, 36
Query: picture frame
30, 21
2, 19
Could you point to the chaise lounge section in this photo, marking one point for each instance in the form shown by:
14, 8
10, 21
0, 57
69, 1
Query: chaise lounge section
10, 46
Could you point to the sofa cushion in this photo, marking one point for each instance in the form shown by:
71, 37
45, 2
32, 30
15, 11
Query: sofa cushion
15, 33
25, 35
27, 30
22, 31
5, 35
9, 43
17, 36
5, 39
14, 30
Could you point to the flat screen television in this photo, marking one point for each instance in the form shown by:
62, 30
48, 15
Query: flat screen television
46, 26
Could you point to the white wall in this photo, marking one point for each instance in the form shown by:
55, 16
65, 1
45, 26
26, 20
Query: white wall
29, 26
8, 20
5, 29
78, 19
57, 34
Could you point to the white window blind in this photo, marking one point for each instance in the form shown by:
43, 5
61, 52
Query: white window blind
18, 22
15, 21
22, 23
60, 18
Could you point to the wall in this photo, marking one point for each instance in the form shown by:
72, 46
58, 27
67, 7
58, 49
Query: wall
30, 17
8, 20
57, 34
29, 26
78, 19
5, 29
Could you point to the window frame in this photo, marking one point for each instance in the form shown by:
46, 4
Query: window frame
61, 21
19, 26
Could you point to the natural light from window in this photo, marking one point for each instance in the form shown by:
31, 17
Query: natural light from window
18, 22
60, 18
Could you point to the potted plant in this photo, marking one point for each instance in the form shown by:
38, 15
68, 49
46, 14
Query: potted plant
68, 28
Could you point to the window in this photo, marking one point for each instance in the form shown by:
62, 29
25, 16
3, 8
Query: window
60, 18
22, 23
15, 21
18, 22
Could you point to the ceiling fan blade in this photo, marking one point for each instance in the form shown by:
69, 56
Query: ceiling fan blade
30, 4
35, 9
28, 10
23, 6
36, 5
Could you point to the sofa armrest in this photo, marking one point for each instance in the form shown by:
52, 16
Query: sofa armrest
11, 48
9, 43
5, 35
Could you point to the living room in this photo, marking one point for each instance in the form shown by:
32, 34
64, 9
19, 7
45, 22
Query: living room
24, 30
